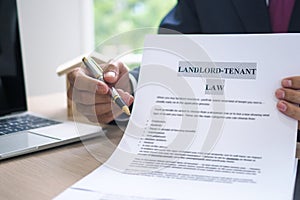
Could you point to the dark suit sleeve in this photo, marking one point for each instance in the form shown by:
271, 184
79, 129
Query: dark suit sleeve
135, 73
182, 18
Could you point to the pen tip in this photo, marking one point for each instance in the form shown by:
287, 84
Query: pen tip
126, 110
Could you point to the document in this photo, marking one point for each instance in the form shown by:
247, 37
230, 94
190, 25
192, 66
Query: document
204, 123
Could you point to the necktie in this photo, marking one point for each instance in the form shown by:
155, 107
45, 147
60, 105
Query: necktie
280, 14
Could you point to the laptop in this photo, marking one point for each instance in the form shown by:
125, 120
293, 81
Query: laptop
23, 132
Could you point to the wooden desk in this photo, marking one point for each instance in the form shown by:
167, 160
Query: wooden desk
43, 175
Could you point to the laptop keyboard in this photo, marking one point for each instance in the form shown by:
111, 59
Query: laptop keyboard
23, 123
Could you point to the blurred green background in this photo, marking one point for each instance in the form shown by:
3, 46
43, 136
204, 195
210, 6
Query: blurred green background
117, 21
117, 16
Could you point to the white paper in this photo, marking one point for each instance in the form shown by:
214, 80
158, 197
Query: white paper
204, 123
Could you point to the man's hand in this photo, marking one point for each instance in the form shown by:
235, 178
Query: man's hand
289, 97
91, 96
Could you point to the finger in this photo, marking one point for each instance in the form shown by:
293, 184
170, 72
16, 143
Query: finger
102, 98
289, 109
113, 71
94, 110
291, 82
127, 98
71, 76
104, 118
102, 112
87, 98
290, 95
81, 81
123, 69
86, 83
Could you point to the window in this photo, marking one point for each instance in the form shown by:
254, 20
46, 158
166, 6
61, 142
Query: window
120, 26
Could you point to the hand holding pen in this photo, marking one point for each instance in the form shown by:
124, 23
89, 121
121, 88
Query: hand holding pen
93, 97
97, 72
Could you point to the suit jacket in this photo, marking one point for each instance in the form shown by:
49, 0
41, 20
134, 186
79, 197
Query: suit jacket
226, 16
221, 17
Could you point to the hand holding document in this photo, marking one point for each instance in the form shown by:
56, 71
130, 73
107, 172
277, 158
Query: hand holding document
204, 124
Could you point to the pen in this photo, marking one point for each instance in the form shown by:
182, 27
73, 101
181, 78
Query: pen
97, 72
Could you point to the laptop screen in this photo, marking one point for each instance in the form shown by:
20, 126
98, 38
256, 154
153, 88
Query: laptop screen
12, 88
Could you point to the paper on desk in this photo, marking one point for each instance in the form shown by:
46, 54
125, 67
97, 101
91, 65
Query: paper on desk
205, 123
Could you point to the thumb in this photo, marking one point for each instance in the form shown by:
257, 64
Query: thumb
111, 73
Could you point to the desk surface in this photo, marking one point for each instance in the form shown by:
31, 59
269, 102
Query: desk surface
45, 174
